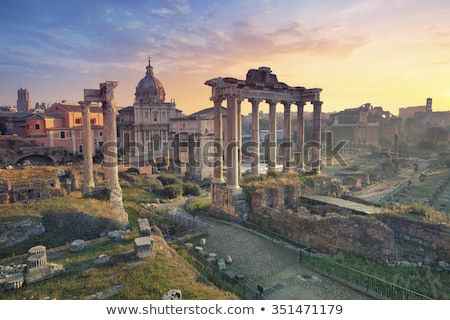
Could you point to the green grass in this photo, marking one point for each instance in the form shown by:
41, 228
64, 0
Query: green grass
423, 280
198, 206
73, 217
162, 271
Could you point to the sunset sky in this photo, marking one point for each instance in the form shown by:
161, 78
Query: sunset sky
388, 53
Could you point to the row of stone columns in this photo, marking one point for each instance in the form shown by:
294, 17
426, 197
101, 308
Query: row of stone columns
233, 154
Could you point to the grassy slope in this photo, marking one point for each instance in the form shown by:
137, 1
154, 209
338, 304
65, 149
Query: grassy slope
163, 271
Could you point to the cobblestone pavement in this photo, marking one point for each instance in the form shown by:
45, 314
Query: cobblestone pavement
272, 266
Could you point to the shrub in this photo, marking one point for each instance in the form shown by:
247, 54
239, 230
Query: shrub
191, 188
133, 170
167, 179
173, 191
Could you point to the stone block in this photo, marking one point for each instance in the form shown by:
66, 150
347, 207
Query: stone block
172, 295
77, 245
143, 247
115, 235
144, 228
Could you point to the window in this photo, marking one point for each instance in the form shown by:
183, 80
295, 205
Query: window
93, 121
100, 133
78, 121
62, 134
80, 148
36, 126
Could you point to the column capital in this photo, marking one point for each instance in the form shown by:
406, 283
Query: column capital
84, 105
271, 102
287, 103
254, 100
317, 103
217, 99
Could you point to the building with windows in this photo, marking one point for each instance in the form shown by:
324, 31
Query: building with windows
60, 125
144, 127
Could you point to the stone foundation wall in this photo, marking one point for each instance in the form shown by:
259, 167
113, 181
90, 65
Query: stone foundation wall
228, 204
332, 233
31, 195
433, 236
331, 230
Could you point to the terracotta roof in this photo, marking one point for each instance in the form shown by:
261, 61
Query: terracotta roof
72, 108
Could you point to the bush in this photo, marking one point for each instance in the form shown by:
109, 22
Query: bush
173, 191
191, 188
133, 170
167, 179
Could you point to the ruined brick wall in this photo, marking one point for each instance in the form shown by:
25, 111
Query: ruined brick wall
228, 204
434, 236
332, 233
330, 230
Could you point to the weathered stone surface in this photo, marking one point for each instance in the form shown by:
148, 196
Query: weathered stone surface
174, 294
144, 228
115, 235
228, 259
77, 245
43, 272
13, 232
102, 259
221, 264
106, 294
14, 281
143, 247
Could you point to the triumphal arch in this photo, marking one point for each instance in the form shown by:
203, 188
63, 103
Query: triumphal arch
260, 85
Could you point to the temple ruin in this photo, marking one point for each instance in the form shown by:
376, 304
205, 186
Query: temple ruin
260, 85
105, 95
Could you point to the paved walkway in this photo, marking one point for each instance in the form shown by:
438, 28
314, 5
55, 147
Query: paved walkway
275, 268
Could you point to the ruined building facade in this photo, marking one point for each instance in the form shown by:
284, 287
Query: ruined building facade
364, 125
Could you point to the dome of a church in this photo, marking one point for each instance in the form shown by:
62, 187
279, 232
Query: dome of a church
150, 89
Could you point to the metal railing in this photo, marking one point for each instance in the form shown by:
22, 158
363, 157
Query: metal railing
357, 279
226, 280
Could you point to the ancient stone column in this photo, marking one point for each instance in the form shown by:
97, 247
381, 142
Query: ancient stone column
232, 156
88, 163
218, 141
272, 135
239, 137
287, 145
300, 135
255, 137
316, 136
110, 151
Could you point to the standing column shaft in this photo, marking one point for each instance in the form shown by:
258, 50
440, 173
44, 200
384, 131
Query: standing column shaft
232, 145
239, 137
88, 163
110, 152
272, 135
287, 145
300, 135
316, 136
255, 137
218, 141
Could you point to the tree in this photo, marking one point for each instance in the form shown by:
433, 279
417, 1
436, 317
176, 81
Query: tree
437, 136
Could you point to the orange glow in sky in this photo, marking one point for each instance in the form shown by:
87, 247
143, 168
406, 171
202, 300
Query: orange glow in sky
391, 54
